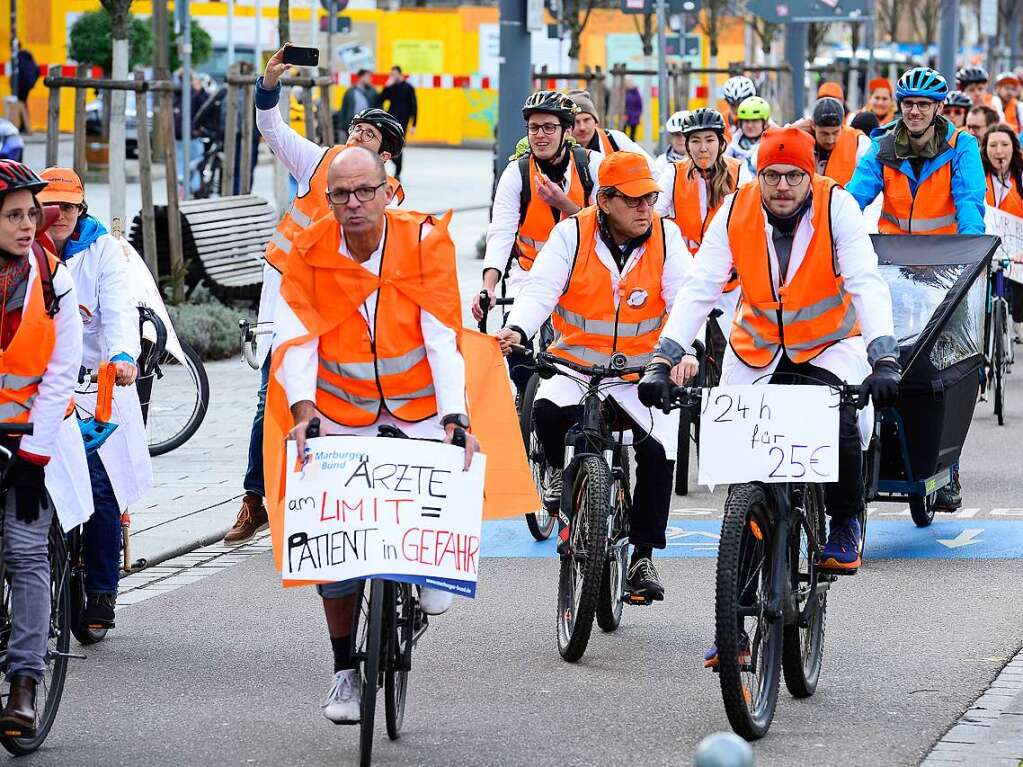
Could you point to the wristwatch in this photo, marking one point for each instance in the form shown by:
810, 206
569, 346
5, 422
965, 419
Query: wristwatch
458, 419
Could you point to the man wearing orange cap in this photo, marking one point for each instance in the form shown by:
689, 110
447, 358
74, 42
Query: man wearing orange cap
607, 276
832, 322
120, 470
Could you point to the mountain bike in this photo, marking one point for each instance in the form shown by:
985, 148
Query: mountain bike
595, 506
541, 522
771, 598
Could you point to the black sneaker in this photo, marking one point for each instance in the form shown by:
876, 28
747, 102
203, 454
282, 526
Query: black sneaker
950, 497
99, 613
552, 490
643, 581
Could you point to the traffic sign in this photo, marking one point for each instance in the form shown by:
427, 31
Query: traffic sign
650, 6
785, 11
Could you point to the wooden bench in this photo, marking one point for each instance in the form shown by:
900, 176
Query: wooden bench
223, 239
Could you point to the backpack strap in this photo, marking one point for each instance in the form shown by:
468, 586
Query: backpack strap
526, 193
582, 167
611, 141
51, 301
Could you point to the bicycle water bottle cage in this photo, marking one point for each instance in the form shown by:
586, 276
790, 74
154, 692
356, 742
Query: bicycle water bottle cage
95, 433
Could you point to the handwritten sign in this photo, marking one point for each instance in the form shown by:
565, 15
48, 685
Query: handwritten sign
1010, 229
769, 433
369, 507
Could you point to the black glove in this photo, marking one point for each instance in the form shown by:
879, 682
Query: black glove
28, 481
656, 386
882, 386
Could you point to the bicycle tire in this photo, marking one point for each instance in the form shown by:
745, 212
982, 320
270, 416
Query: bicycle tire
999, 363
685, 420
921, 509
588, 544
370, 654
803, 646
49, 691
201, 380
749, 716
399, 609
540, 523
616, 563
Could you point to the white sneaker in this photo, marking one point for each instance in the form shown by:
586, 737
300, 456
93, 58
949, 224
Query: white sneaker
342, 704
435, 601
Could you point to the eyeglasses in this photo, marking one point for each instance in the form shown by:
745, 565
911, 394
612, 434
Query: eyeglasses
918, 106
634, 202
16, 217
792, 178
69, 208
362, 194
365, 133
548, 129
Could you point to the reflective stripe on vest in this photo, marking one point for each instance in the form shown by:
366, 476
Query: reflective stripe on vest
368, 404
540, 219
385, 365
599, 315
806, 315
931, 210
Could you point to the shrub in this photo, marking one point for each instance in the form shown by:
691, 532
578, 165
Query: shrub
91, 42
209, 327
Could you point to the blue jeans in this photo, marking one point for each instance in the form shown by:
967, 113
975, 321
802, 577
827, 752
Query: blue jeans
253, 482
26, 556
101, 535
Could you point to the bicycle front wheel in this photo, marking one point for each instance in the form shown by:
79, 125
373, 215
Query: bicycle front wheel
1000, 361
400, 616
367, 629
749, 642
540, 522
803, 645
50, 690
175, 402
582, 567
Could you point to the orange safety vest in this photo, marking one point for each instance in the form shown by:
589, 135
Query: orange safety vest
805, 316
841, 163
1011, 111
606, 147
309, 207
540, 217
686, 201
361, 373
26, 358
592, 320
931, 211
1012, 203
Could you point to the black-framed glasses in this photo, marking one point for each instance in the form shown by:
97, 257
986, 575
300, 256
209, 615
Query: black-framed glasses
362, 194
923, 105
365, 132
792, 178
634, 202
548, 129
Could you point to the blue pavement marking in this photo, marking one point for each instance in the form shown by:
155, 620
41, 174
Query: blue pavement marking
886, 539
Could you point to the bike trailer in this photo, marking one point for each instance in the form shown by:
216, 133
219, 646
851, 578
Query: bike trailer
939, 289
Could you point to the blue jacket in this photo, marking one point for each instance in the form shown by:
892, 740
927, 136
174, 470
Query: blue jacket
968, 182
90, 229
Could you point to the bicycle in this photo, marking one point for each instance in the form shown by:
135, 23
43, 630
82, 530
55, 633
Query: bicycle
770, 596
540, 522
50, 690
1001, 353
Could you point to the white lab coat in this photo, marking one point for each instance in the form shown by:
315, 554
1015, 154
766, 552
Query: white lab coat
57, 437
857, 263
547, 281
626, 144
111, 327
504, 220
298, 370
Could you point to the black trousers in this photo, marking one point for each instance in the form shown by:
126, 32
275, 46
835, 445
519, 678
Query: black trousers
844, 498
651, 499
1015, 300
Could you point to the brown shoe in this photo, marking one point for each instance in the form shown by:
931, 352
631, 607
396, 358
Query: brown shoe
251, 519
18, 718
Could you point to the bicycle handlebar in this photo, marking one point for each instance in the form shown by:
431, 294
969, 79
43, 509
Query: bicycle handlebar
548, 361
486, 304
17, 429
692, 396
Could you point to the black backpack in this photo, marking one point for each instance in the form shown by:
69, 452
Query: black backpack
582, 166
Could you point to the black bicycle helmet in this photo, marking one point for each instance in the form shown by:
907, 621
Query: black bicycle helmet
15, 176
828, 113
970, 75
705, 118
958, 99
551, 103
392, 132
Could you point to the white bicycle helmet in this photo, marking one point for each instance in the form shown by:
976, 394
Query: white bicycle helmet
675, 122
737, 89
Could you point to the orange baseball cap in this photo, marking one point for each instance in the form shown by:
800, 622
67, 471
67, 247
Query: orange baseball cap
627, 172
878, 82
64, 186
787, 146
832, 89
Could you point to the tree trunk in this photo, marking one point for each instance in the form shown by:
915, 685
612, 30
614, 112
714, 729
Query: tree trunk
283, 21
120, 18
280, 172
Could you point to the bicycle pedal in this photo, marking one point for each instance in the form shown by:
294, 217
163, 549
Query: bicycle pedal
638, 599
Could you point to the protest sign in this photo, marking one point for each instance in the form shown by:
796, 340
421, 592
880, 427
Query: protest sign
1010, 229
768, 433
369, 507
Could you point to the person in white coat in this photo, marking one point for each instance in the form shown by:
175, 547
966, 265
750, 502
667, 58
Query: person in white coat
307, 163
590, 135
797, 229
608, 275
42, 347
120, 469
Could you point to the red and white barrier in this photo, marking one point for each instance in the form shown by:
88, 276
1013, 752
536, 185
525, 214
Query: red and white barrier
60, 70
423, 82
